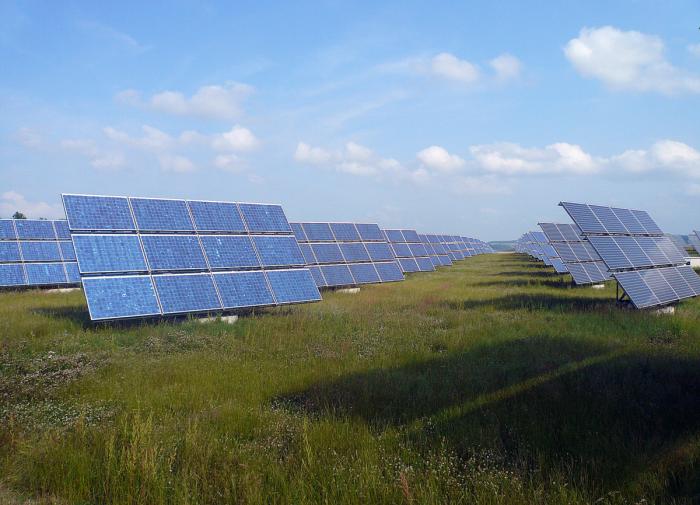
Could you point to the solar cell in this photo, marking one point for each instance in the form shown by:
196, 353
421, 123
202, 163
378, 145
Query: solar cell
12, 274
410, 235
417, 250
327, 253
98, 213
369, 232
261, 218
179, 293
559, 266
62, 231
44, 274
389, 271
243, 289
9, 252
153, 214
318, 276
109, 253
425, 264
216, 216
628, 219
229, 251
401, 250
337, 275
394, 236
298, 231
318, 231
690, 277
7, 230
345, 232
647, 222
35, 229
354, 251
40, 251
379, 251
308, 253
278, 250
120, 297
72, 272
293, 286
584, 217
173, 252
408, 265
637, 289
364, 273
67, 251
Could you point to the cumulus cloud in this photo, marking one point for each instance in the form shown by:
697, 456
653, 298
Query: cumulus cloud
228, 163
99, 158
176, 163
507, 67
668, 155
450, 67
12, 201
628, 60
437, 158
513, 159
236, 139
219, 102
314, 155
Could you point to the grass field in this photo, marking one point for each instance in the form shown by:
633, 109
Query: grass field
493, 381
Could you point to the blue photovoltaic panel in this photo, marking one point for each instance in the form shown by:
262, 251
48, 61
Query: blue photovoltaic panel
364, 273
243, 289
298, 231
12, 274
109, 253
62, 231
318, 232
394, 236
72, 272
410, 235
425, 264
40, 251
318, 276
337, 275
379, 251
43, 274
584, 217
120, 297
308, 254
647, 222
7, 230
690, 277
216, 216
154, 214
67, 251
292, 286
401, 250
408, 265
173, 252
559, 266
345, 232
98, 213
629, 220
370, 232
607, 218
9, 252
435, 261
674, 278
264, 218
327, 253
275, 251
229, 251
35, 229
389, 272
354, 251
186, 293
417, 250
610, 252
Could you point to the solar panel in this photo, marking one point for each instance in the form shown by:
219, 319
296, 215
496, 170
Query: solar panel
318, 276
184, 256
647, 265
34, 242
408, 265
345, 253
389, 271
394, 236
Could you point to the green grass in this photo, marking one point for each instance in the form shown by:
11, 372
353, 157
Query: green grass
493, 381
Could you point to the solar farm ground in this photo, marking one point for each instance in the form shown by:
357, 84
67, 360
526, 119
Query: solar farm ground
493, 381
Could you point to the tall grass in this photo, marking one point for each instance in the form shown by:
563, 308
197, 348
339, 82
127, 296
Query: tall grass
493, 381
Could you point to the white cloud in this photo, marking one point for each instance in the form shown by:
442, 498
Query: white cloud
694, 49
176, 163
507, 67
512, 159
437, 158
229, 163
220, 102
314, 155
12, 201
153, 139
450, 67
479, 185
628, 60
99, 158
358, 152
667, 155
236, 139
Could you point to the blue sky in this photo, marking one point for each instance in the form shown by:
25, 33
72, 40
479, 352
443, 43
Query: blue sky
474, 119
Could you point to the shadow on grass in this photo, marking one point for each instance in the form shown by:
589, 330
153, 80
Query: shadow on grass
554, 283
592, 412
77, 315
548, 273
535, 302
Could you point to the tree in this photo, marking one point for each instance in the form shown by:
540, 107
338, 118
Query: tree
18, 215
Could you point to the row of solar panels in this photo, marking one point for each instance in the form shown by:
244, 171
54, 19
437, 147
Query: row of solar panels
624, 244
140, 257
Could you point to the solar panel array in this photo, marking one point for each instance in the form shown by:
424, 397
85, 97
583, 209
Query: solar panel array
536, 244
142, 257
36, 253
409, 251
346, 254
436, 250
694, 239
646, 264
579, 257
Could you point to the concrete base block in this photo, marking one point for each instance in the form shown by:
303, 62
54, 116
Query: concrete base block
223, 319
694, 261
598, 286
61, 290
665, 311
349, 291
